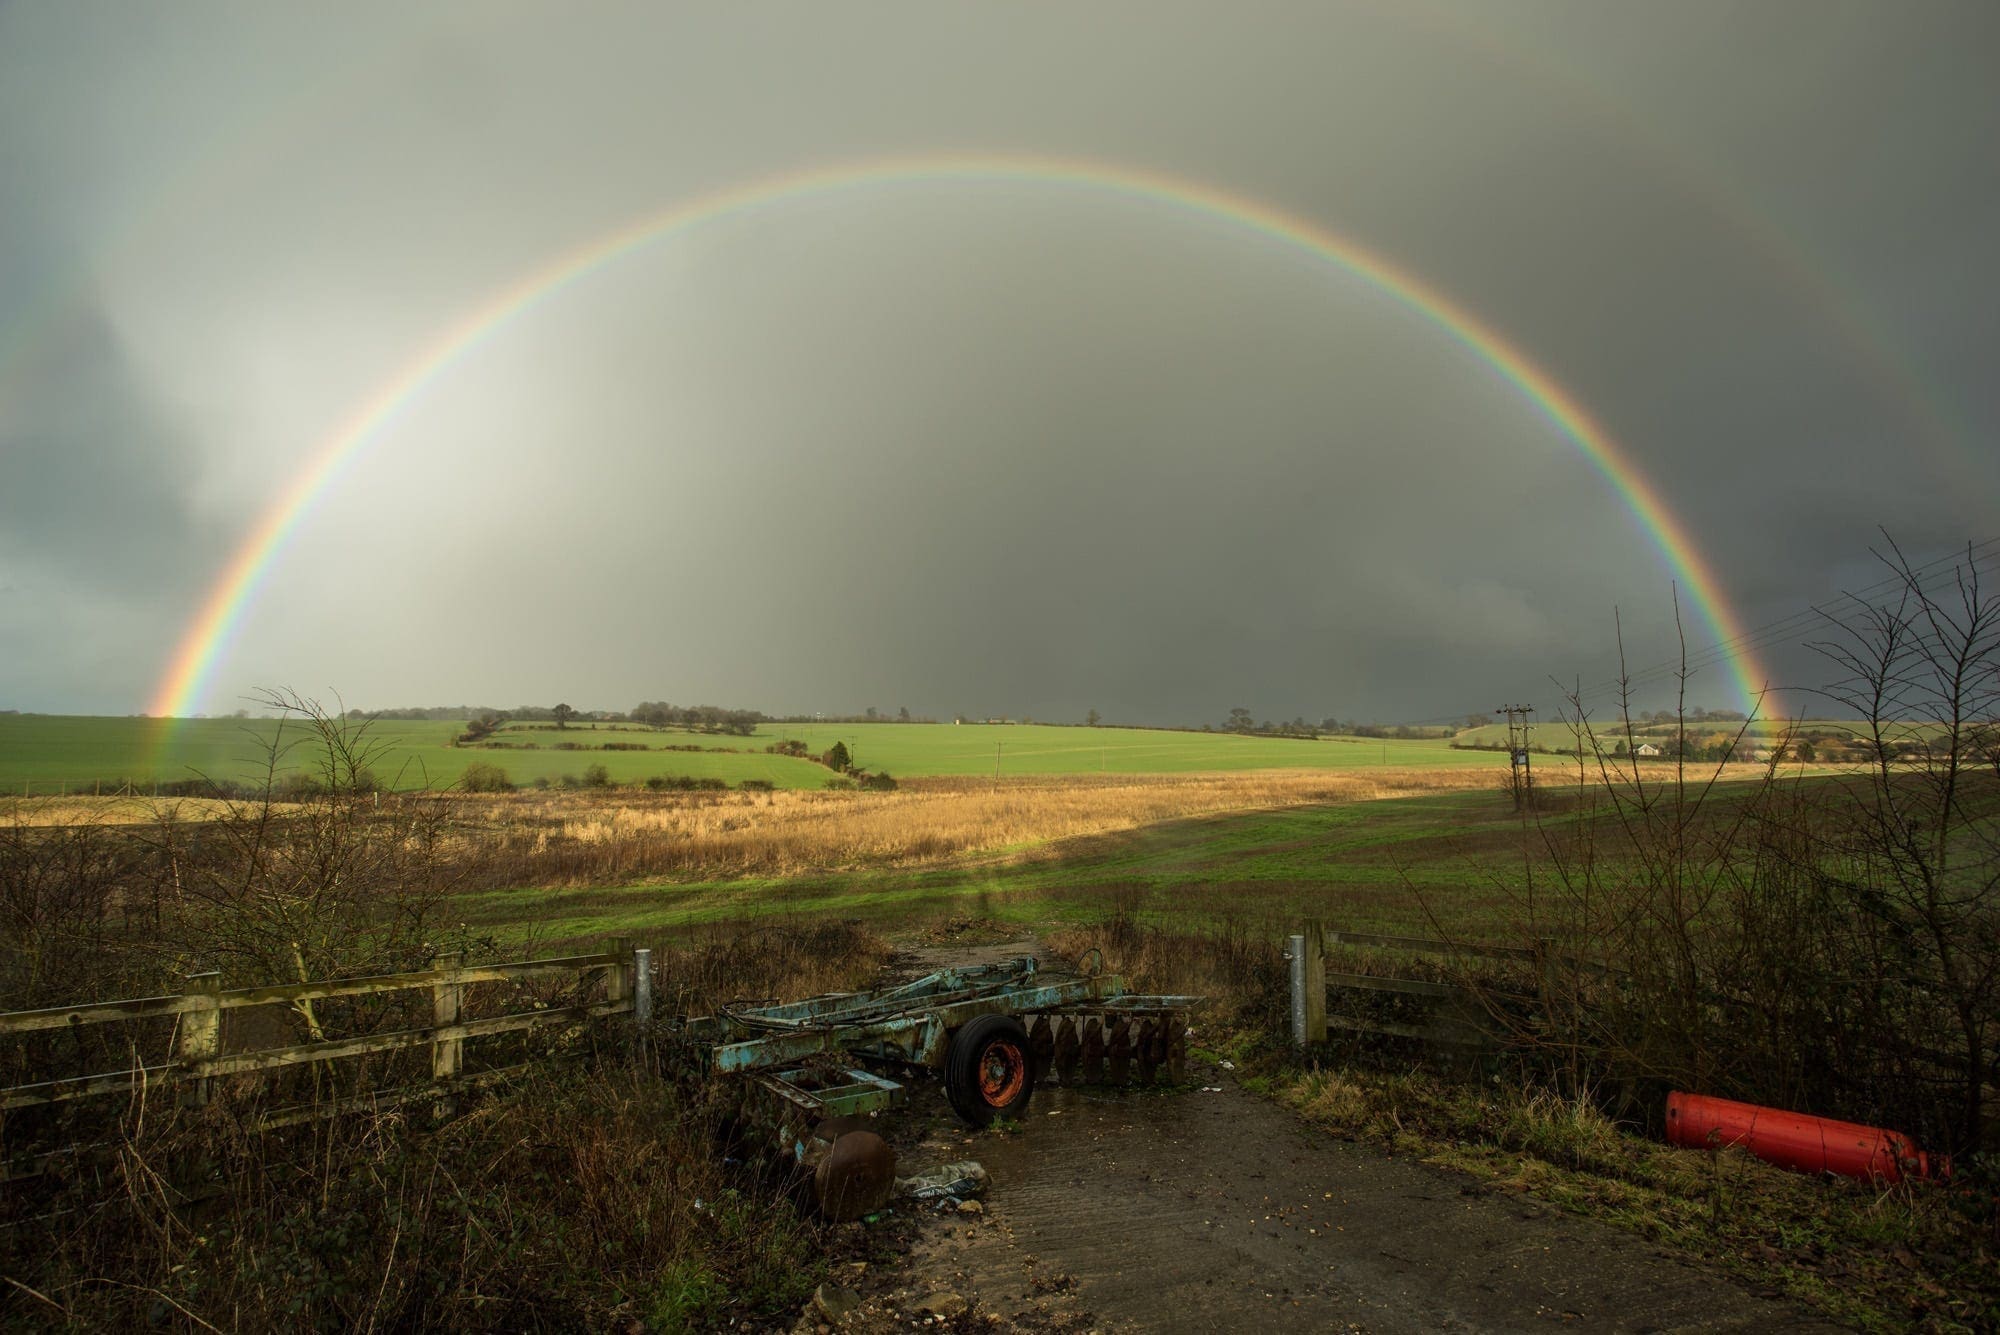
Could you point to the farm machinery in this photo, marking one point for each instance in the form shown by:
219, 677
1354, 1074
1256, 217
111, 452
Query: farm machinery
812, 1071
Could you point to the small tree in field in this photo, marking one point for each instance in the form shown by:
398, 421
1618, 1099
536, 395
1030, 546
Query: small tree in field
481, 777
1092, 719
563, 715
837, 758
332, 884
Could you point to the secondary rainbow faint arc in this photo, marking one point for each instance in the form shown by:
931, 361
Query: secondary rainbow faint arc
209, 637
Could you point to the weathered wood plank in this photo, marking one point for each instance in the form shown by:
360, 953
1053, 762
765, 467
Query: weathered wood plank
445, 997
86, 1086
386, 1099
140, 1008
271, 1059
117, 1082
1449, 1035
1414, 987
398, 982
200, 1037
1315, 998
1418, 945
97, 1012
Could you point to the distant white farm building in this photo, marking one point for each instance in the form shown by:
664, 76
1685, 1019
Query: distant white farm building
1647, 749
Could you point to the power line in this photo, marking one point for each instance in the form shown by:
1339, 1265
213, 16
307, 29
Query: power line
1979, 557
1776, 631
1520, 732
1798, 624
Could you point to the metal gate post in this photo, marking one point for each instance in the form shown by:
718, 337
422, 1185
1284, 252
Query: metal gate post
1295, 951
642, 986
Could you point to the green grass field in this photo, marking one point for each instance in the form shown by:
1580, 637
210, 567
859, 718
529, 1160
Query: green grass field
913, 750
44, 753
1378, 866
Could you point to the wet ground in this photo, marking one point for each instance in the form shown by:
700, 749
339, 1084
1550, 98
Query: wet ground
1220, 1211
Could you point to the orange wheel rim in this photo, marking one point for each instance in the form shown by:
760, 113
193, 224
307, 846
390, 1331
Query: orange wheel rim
1003, 1070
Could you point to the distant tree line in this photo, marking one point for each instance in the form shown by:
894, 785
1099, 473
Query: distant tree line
699, 718
647, 713
1241, 720
483, 720
869, 715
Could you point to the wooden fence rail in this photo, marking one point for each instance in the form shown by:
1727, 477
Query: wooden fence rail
1456, 1026
198, 1054
1417, 945
1310, 981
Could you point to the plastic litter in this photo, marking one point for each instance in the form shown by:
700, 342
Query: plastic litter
954, 1181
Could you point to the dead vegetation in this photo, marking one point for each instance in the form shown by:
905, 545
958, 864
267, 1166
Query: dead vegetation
1238, 967
62, 812
589, 1192
586, 1192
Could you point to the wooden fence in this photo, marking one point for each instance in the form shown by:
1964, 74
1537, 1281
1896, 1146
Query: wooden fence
199, 1059
1455, 1011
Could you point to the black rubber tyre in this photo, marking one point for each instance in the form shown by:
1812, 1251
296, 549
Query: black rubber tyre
988, 1070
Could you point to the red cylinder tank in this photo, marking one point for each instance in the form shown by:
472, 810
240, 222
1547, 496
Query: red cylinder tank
1797, 1140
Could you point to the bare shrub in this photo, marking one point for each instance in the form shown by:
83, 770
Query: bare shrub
333, 885
591, 1192
1238, 968
698, 973
1829, 943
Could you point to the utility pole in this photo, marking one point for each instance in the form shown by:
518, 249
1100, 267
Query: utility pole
1522, 771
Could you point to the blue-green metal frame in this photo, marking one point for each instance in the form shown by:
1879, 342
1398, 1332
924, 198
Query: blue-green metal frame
910, 1024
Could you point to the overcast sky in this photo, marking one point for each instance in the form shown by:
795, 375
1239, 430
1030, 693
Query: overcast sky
956, 446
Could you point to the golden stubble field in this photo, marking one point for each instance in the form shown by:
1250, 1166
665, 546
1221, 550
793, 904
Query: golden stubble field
615, 835
581, 838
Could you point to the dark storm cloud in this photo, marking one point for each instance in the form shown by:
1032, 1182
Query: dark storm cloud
89, 435
959, 447
100, 543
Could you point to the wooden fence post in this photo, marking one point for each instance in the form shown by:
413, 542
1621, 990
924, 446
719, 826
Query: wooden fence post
1315, 982
446, 996
618, 976
201, 1030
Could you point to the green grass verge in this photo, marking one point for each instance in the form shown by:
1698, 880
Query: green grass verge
1876, 1259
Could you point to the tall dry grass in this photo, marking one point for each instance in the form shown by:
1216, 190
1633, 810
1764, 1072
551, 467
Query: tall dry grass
589, 1193
603, 837
83, 809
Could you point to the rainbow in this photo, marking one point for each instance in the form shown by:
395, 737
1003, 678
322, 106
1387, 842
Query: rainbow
209, 638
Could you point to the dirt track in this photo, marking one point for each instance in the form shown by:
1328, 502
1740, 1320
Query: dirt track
1221, 1211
